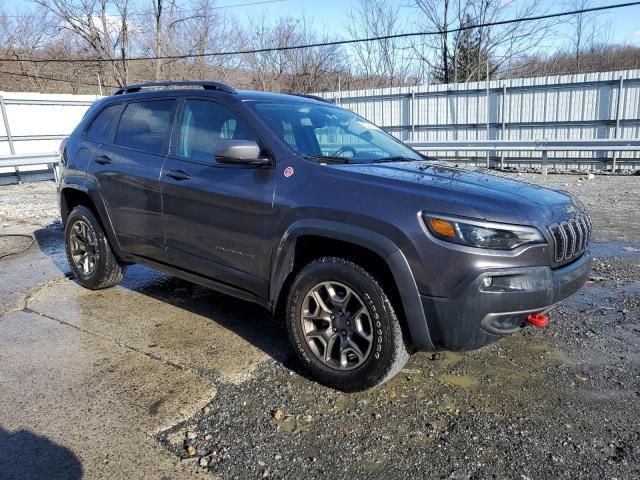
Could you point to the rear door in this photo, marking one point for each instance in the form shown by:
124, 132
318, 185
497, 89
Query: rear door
218, 216
127, 171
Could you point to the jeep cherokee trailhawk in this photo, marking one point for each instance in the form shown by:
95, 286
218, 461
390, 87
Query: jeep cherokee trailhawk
367, 249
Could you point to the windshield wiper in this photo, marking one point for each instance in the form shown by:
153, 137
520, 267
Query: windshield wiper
392, 159
328, 158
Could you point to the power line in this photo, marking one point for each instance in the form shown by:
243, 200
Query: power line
221, 7
336, 42
54, 79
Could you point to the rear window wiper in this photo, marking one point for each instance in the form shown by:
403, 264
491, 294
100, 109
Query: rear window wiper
328, 158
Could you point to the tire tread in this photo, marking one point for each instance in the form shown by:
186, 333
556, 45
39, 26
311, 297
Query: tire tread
112, 271
400, 349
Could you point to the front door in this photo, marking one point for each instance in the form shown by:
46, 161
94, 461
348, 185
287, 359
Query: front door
217, 216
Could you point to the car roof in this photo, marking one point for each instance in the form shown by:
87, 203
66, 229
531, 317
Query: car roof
242, 95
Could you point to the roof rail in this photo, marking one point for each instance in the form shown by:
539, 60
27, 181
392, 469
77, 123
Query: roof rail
223, 87
313, 97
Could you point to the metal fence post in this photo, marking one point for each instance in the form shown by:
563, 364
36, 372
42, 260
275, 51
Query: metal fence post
413, 115
7, 130
504, 125
545, 162
616, 132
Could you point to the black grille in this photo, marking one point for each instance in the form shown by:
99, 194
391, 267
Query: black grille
571, 238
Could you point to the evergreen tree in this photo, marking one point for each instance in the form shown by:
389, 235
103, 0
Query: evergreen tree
468, 56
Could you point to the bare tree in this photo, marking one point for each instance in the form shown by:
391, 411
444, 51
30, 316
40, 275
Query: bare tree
21, 36
211, 30
384, 61
290, 69
584, 30
102, 34
500, 43
106, 34
167, 23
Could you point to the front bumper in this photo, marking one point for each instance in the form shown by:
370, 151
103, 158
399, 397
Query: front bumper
476, 314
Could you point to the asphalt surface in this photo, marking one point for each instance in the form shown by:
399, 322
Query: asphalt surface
160, 378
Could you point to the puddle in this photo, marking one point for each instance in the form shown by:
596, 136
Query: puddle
295, 423
465, 381
445, 360
602, 296
551, 352
615, 249
344, 403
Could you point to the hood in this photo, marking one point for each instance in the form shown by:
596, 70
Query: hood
479, 192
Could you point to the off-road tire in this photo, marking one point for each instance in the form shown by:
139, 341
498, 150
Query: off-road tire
108, 269
389, 352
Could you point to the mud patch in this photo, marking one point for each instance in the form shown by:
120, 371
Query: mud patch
464, 381
12, 244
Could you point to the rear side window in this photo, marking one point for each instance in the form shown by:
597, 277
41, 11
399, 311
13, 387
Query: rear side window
102, 126
145, 125
203, 125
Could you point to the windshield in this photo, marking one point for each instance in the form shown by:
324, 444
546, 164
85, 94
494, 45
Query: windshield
328, 133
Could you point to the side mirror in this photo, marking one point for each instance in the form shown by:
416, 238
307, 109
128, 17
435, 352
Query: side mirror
239, 152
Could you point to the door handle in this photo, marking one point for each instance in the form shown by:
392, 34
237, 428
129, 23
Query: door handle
178, 175
103, 160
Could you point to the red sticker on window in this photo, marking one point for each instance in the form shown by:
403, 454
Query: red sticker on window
288, 172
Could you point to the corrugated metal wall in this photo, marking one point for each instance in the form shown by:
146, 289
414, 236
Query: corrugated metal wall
37, 122
558, 107
583, 106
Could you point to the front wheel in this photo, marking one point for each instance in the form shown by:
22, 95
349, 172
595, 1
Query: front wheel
343, 326
90, 256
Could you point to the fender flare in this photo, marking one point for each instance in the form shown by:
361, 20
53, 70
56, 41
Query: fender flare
395, 259
101, 210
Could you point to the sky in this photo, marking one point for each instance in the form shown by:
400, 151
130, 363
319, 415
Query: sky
331, 16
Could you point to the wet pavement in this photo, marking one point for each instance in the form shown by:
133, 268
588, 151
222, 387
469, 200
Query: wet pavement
159, 378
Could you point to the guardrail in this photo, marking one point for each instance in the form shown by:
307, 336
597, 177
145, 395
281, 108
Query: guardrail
14, 161
544, 146
610, 145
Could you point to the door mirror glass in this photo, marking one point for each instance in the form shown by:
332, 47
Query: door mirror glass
245, 152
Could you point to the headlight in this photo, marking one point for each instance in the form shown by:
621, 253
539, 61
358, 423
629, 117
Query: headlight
481, 234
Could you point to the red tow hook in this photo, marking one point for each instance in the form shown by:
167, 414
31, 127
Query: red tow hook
539, 320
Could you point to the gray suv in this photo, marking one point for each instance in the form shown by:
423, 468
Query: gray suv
368, 250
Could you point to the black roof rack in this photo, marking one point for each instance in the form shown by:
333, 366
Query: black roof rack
313, 97
223, 87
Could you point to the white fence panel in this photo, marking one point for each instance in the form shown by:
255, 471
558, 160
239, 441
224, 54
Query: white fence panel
584, 106
38, 122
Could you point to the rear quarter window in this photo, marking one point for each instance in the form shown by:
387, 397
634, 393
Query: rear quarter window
101, 128
145, 125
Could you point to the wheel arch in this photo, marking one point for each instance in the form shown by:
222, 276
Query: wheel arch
72, 195
309, 239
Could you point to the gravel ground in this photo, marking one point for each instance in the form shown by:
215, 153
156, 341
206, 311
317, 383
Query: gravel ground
560, 402
28, 204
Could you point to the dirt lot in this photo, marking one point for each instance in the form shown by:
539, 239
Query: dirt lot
213, 381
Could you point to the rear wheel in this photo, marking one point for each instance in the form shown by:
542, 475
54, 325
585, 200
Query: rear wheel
343, 326
89, 254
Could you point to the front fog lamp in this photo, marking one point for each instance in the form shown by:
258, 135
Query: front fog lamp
482, 234
487, 282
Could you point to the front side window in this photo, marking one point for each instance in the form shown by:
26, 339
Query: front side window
145, 125
320, 132
203, 124
100, 129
